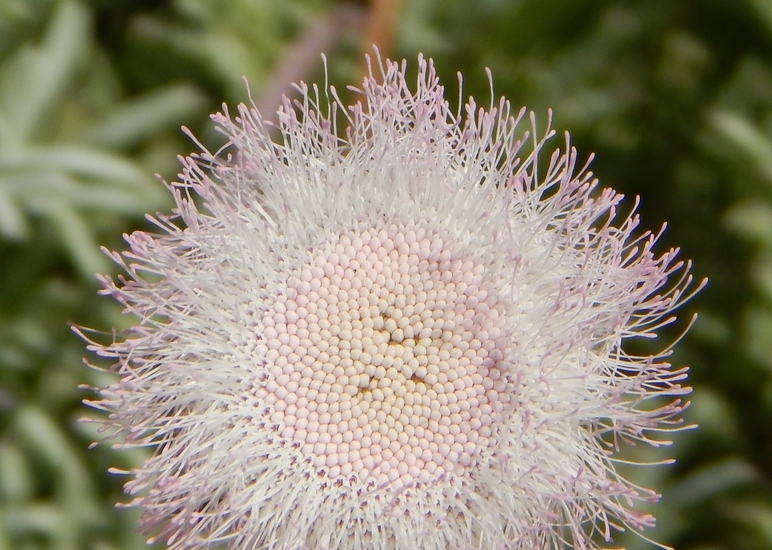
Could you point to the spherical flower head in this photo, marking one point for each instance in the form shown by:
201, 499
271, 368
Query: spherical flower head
404, 334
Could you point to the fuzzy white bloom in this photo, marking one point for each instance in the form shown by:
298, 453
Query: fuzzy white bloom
400, 335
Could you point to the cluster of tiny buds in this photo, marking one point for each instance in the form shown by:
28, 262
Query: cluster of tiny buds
383, 358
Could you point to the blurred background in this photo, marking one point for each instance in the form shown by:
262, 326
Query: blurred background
674, 97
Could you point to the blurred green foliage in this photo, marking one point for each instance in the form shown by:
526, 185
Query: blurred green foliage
674, 97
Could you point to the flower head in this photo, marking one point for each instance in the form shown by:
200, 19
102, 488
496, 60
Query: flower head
405, 334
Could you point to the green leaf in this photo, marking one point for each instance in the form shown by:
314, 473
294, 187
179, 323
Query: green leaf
713, 479
37, 76
752, 219
13, 225
746, 138
133, 121
16, 473
75, 234
84, 161
764, 9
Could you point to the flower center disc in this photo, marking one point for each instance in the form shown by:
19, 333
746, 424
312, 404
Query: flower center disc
383, 358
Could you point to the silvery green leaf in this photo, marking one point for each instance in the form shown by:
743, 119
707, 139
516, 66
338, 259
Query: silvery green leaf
764, 10
134, 120
38, 75
16, 473
713, 479
753, 220
757, 334
120, 201
13, 225
756, 515
35, 518
746, 137
85, 161
714, 416
41, 436
76, 236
